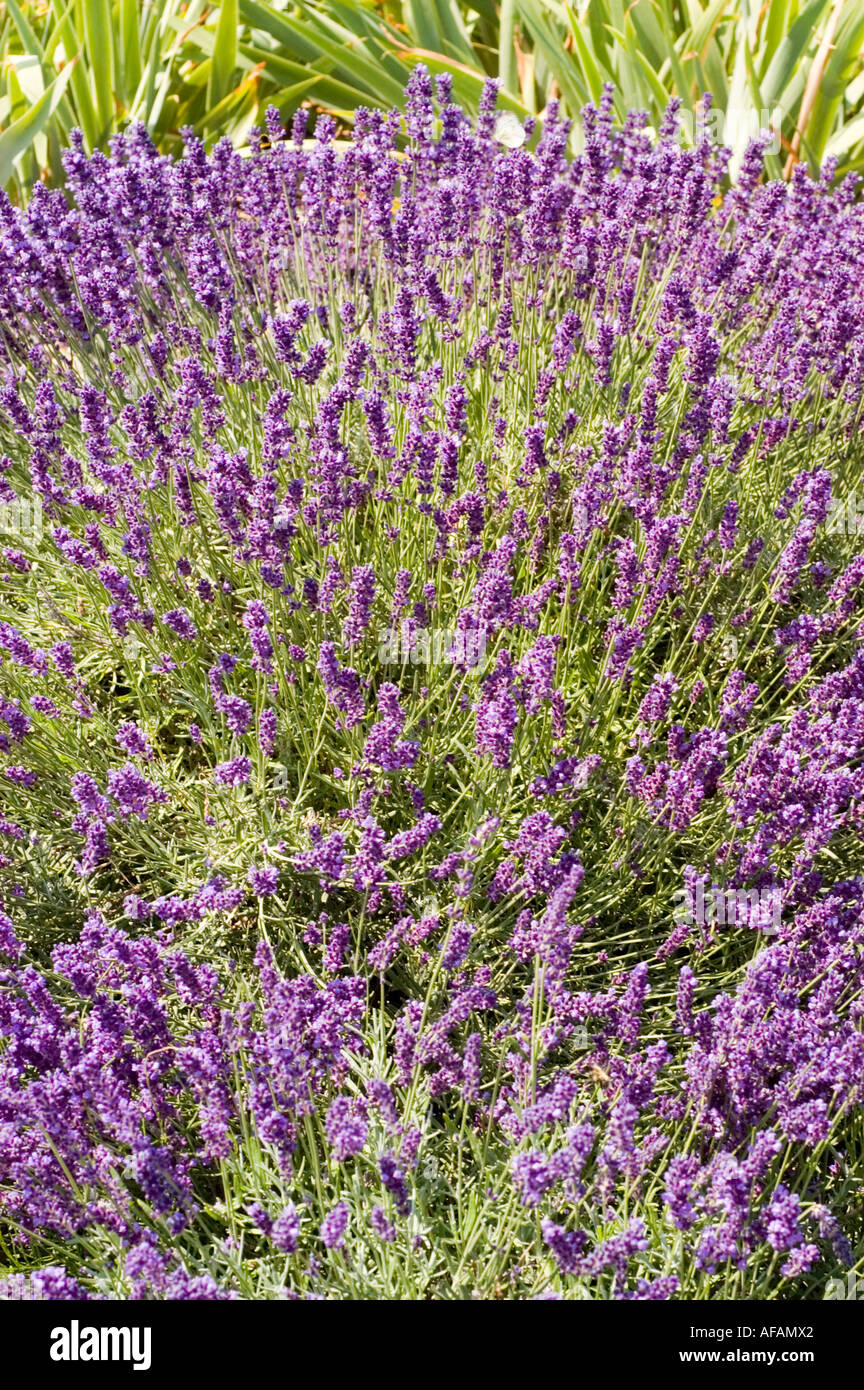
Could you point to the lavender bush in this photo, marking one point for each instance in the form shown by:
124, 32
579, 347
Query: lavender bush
325, 976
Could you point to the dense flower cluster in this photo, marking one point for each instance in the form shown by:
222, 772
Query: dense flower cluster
377, 951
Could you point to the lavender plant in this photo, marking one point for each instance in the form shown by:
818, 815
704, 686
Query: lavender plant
327, 975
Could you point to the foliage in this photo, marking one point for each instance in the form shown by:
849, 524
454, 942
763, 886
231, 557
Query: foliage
796, 67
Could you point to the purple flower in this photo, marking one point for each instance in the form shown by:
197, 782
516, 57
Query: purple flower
703, 628
533, 1175
263, 880
497, 715
347, 1130
360, 607
133, 740
566, 1246
561, 404
383, 1228
267, 728
333, 1227
233, 773
132, 791
285, 1231
783, 1215
383, 746
9, 942
342, 685
180, 622
393, 1180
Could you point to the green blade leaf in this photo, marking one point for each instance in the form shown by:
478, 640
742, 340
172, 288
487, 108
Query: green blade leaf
833, 83
791, 50
594, 79
422, 27
100, 58
507, 48
224, 53
19, 136
658, 91
651, 42
547, 43
80, 96
130, 50
455, 42
846, 138
289, 78
27, 35
306, 41
704, 29
775, 27
772, 163
269, 21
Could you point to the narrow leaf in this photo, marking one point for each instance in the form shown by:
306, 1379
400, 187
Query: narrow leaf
18, 136
224, 53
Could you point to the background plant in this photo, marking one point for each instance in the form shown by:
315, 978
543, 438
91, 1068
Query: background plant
98, 66
334, 978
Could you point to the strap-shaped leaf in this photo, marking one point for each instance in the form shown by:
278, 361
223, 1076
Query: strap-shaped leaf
129, 50
100, 60
802, 35
507, 47
18, 136
224, 59
588, 61
548, 43
845, 51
